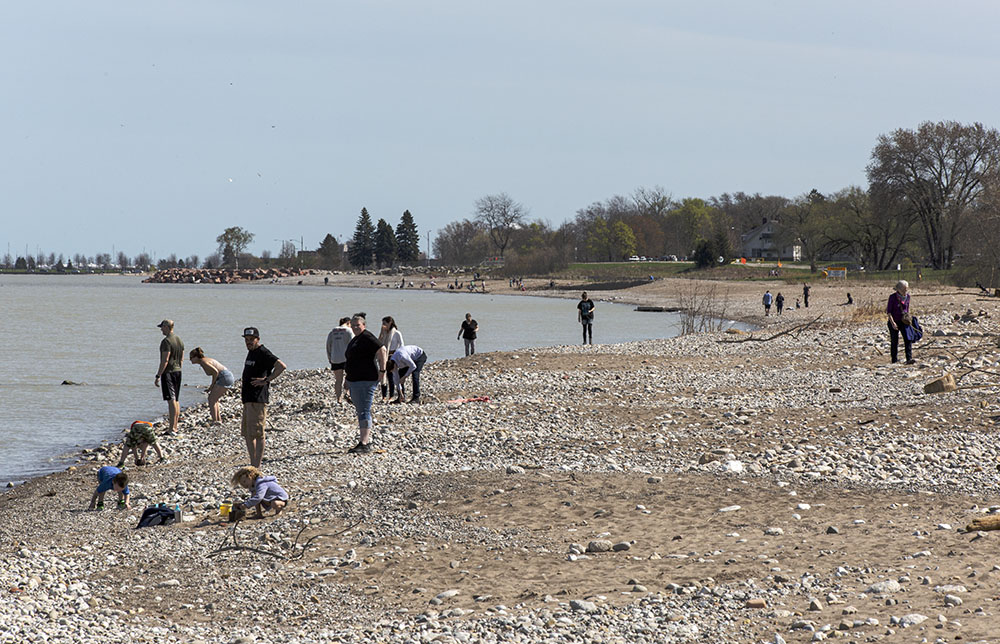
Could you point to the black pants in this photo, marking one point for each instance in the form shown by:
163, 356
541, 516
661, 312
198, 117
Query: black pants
894, 345
588, 330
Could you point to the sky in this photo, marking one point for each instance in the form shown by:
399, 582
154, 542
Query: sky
152, 127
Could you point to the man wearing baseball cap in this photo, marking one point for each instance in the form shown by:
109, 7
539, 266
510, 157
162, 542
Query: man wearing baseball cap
168, 376
259, 371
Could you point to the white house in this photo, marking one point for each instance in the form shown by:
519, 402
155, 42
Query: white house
759, 243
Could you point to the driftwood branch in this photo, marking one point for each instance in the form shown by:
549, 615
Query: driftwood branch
231, 534
794, 330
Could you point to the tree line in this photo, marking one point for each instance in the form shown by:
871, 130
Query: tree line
933, 196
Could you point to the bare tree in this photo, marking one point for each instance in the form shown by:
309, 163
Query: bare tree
461, 243
874, 231
500, 215
939, 171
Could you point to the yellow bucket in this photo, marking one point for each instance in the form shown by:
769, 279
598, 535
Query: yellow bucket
224, 510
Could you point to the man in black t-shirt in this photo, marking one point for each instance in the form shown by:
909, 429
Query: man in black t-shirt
468, 333
259, 371
585, 315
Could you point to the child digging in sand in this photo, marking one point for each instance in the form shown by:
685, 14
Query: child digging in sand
111, 478
140, 437
267, 494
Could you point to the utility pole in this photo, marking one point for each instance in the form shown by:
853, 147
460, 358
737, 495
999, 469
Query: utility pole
428, 254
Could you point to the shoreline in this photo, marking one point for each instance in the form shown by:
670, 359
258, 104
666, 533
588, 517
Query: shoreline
639, 445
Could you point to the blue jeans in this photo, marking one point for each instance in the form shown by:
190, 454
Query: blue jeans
362, 395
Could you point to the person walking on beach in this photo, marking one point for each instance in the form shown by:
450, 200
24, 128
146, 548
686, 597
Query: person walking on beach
364, 368
768, 298
222, 380
585, 316
391, 338
407, 360
898, 310
168, 376
259, 371
779, 302
468, 333
805, 295
336, 345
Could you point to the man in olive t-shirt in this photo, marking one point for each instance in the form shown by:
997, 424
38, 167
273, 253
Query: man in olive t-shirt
168, 376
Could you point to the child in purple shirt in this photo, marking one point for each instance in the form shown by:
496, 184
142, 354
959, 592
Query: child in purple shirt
267, 494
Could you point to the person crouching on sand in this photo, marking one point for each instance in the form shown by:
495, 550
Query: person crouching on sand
111, 478
139, 439
267, 494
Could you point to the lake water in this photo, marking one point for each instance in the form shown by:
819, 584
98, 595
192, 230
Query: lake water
100, 330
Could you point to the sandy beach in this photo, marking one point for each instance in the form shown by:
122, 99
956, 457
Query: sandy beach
760, 487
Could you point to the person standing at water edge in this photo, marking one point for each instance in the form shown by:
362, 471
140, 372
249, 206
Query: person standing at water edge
585, 315
259, 371
468, 333
768, 298
779, 302
805, 295
168, 376
336, 345
365, 369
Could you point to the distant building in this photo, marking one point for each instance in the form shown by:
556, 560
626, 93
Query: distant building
759, 243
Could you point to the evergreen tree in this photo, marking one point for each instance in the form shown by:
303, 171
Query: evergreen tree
363, 242
407, 240
329, 252
385, 244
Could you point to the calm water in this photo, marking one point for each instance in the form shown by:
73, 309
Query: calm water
100, 330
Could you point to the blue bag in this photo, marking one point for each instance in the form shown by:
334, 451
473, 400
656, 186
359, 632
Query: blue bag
913, 332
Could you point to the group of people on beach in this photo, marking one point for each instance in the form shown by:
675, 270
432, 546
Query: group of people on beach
260, 369
359, 360
900, 321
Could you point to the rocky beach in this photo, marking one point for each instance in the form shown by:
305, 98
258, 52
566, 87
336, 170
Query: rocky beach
784, 485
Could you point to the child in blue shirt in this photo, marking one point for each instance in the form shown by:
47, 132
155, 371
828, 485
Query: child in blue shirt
111, 478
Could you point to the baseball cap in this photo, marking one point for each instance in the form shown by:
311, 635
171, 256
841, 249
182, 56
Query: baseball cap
168, 323
251, 331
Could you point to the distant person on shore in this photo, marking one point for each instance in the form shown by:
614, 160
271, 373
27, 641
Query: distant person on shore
805, 295
850, 300
898, 310
259, 371
797, 305
391, 338
168, 375
768, 298
138, 440
365, 370
336, 345
267, 494
779, 302
408, 360
468, 333
585, 316
222, 380
111, 478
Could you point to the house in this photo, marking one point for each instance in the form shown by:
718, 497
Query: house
759, 243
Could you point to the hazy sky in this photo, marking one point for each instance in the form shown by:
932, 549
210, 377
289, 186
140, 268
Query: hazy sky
144, 125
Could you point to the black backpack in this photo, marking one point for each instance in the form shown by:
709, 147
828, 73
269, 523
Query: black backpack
156, 515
